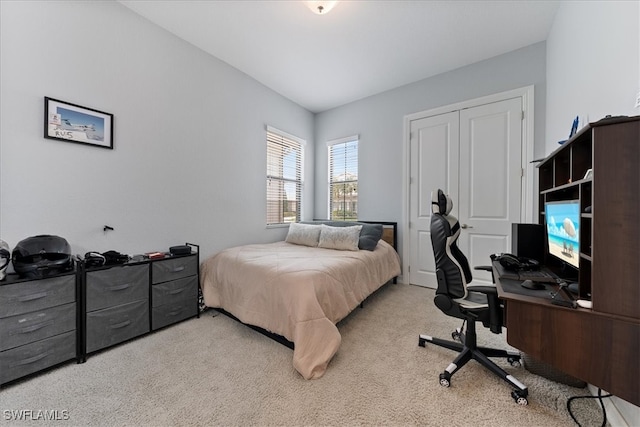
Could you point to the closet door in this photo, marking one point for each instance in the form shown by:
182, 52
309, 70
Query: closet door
489, 198
435, 145
475, 156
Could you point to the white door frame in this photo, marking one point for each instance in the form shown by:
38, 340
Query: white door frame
528, 202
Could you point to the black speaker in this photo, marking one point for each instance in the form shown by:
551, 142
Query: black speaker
527, 240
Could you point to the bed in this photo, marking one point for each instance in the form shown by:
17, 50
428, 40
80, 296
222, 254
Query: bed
302, 287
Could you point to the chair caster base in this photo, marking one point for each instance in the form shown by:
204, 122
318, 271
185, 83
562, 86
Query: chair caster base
445, 379
519, 397
514, 361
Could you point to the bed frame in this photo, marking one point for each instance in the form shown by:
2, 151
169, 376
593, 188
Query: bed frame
389, 235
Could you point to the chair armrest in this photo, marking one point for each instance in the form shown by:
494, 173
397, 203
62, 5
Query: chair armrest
495, 307
485, 289
483, 267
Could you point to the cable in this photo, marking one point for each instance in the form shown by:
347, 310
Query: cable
599, 397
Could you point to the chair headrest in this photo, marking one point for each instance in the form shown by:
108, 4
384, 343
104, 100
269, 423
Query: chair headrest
440, 203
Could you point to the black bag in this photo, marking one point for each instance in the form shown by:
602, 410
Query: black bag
113, 258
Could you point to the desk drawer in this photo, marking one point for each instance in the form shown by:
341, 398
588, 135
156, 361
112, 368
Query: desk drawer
26, 328
117, 285
176, 268
24, 297
30, 358
113, 325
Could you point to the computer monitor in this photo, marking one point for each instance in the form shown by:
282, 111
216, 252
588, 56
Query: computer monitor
562, 219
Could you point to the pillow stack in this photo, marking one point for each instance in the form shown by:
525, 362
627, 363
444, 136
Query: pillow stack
343, 236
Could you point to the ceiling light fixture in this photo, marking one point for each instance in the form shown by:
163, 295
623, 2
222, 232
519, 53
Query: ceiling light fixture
321, 7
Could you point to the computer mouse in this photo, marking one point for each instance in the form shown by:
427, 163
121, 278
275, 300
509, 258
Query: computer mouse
530, 284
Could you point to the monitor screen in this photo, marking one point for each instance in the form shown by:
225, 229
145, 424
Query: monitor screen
563, 230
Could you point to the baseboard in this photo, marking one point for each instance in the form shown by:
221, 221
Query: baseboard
614, 414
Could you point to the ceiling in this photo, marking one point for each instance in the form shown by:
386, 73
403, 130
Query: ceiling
358, 49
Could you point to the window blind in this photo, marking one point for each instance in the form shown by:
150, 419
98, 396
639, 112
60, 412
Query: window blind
284, 178
343, 179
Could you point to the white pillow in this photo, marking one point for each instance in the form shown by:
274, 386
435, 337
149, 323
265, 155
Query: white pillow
341, 238
303, 234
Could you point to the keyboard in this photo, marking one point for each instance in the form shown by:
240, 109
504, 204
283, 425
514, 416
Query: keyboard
536, 276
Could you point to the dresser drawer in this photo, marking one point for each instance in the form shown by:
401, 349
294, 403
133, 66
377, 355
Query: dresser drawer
24, 297
116, 286
30, 327
176, 268
181, 289
113, 325
30, 358
174, 312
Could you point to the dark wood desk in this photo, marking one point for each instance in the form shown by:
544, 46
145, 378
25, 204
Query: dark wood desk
599, 348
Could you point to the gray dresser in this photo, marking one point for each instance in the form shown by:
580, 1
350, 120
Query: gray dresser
117, 305
126, 301
38, 324
174, 290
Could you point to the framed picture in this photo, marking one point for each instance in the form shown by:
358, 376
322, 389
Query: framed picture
72, 123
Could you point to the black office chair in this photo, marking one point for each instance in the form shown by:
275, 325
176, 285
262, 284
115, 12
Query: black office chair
456, 297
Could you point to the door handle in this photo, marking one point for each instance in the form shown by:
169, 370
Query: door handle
466, 226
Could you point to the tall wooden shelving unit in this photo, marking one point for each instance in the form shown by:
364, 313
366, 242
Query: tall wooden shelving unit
609, 275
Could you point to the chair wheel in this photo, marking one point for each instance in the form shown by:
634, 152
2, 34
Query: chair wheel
455, 335
421, 342
445, 379
515, 362
519, 398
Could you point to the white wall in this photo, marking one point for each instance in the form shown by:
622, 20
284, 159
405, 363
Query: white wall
593, 64
189, 159
379, 122
593, 70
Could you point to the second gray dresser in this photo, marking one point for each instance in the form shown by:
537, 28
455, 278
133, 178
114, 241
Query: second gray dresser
117, 305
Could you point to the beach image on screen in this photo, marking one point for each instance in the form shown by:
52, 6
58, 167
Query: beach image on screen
563, 230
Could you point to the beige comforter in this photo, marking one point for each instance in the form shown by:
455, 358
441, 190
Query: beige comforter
296, 291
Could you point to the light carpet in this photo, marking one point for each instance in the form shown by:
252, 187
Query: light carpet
216, 371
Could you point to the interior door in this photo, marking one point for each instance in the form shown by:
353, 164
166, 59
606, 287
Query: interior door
491, 173
434, 164
475, 156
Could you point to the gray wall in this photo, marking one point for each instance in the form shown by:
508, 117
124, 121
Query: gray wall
593, 64
379, 122
189, 159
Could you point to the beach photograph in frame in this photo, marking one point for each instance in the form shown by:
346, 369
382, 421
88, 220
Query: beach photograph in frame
72, 123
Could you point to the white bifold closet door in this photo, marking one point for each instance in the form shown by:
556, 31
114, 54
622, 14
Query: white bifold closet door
475, 156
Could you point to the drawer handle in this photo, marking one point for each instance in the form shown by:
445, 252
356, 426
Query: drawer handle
178, 269
119, 287
32, 328
176, 291
31, 297
175, 312
121, 324
33, 359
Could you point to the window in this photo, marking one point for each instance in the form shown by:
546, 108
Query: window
343, 179
284, 177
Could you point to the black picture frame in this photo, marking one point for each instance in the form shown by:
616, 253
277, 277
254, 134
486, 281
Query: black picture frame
69, 122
